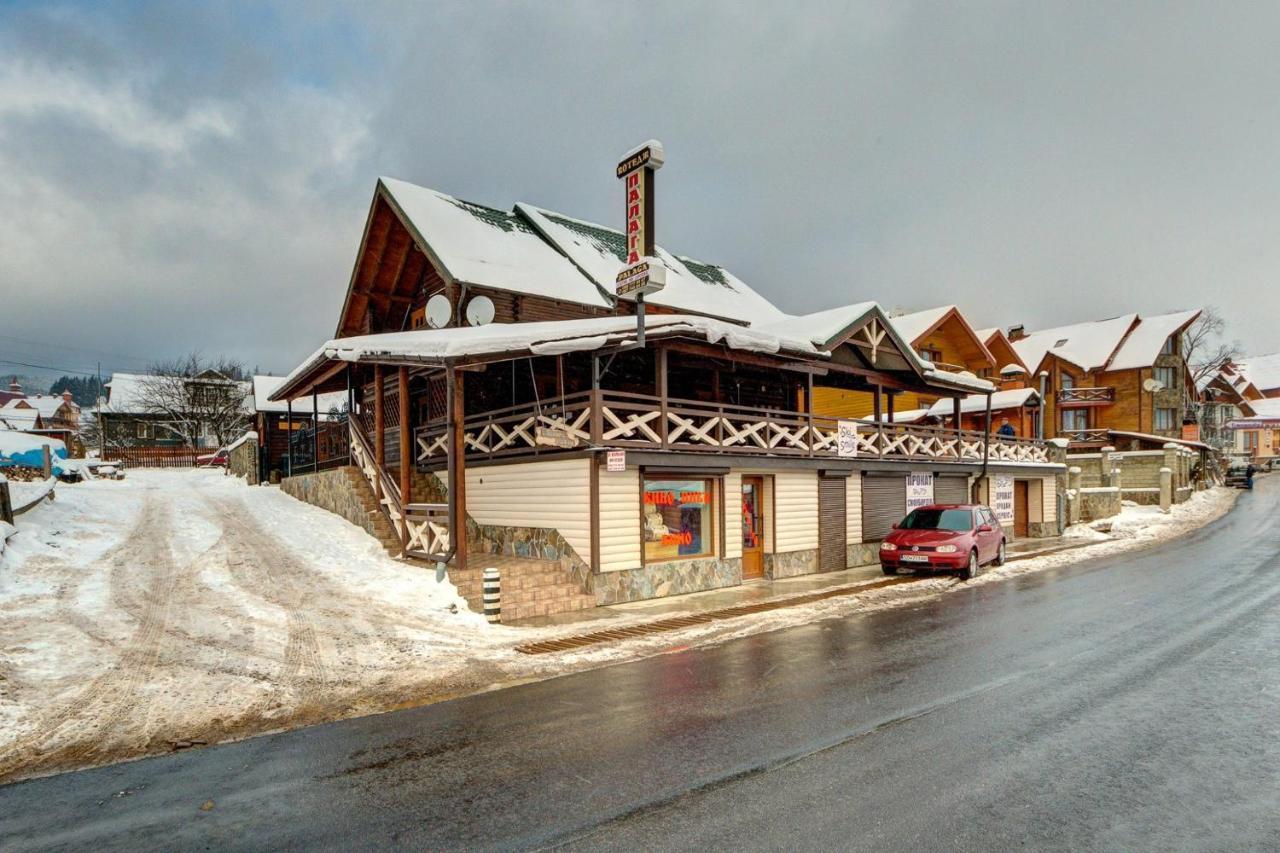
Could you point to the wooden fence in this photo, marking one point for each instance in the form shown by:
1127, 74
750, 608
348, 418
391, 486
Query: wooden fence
156, 457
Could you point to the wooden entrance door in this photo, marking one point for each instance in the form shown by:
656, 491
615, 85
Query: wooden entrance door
752, 527
1020, 508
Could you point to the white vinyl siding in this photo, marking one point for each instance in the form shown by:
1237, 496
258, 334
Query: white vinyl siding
795, 503
853, 509
619, 520
732, 516
1049, 491
1035, 501
553, 494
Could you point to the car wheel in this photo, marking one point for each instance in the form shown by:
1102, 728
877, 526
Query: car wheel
1000, 554
970, 569
889, 570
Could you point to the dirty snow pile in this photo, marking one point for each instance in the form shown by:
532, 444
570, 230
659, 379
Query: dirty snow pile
185, 606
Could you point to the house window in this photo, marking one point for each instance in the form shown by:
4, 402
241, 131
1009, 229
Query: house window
1075, 420
929, 354
1170, 346
1068, 381
144, 430
678, 519
1165, 418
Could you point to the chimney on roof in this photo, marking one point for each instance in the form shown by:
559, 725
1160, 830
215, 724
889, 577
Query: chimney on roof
1017, 333
66, 396
15, 387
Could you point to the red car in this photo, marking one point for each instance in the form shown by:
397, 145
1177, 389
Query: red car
958, 537
218, 458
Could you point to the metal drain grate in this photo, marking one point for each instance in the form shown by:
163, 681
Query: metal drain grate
675, 623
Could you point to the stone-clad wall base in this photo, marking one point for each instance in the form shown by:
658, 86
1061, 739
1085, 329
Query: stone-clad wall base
335, 490
662, 579
790, 564
541, 543
1097, 505
243, 461
1040, 529
1143, 498
862, 554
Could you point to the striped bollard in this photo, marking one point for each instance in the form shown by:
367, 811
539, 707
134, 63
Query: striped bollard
492, 596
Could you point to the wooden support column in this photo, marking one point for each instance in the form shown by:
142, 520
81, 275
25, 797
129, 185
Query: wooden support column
379, 431
661, 382
890, 397
315, 430
458, 482
808, 410
288, 439
406, 439
956, 414
875, 409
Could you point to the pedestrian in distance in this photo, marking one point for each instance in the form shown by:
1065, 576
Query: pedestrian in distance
1006, 428
1249, 471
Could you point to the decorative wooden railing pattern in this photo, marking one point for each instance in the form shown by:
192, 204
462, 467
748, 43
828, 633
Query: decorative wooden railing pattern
1086, 396
1087, 436
622, 420
423, 527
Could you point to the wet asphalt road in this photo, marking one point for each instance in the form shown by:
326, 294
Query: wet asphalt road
1125, 703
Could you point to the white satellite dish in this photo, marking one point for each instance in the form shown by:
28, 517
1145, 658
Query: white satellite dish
480, 311
439, 311
1152, 385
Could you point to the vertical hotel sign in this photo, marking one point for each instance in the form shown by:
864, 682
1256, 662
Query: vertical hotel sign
643, 273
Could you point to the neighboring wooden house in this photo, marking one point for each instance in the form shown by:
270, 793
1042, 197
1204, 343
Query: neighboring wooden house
1237, 418
276, 422
204, 411
55, 415
1121, 381
1263, 372
611, 471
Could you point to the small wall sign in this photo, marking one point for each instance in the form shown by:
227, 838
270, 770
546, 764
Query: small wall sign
846, 439
1002, 498
615, 460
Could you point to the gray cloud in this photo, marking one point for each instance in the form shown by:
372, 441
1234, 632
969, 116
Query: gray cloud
200, 178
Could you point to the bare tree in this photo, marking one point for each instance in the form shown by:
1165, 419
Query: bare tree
1204, 344
197, 398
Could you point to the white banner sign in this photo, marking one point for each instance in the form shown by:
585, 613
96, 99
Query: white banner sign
919, 490
615, 460
1002, 498
846, 438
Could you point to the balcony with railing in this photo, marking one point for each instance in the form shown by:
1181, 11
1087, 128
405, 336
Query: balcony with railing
614, 419
1073, 397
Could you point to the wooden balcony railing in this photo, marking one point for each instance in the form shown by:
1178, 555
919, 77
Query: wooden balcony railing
621, 420
422, 527
1086, 396
1087, 436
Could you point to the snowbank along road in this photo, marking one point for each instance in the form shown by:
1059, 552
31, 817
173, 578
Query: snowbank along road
183, 608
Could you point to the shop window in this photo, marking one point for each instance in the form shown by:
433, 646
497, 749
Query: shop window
678, 519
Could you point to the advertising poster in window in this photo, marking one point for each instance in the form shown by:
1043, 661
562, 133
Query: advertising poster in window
677, 519
919, 490
1002, 498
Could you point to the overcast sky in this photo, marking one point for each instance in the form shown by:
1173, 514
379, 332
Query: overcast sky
178, 177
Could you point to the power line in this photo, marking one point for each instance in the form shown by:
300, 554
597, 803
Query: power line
67, 370
136, 358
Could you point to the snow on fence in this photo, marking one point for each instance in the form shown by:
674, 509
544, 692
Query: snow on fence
155, 457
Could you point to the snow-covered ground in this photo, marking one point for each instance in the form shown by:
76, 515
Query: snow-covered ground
179, 607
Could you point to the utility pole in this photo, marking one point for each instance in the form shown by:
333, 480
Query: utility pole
102, 431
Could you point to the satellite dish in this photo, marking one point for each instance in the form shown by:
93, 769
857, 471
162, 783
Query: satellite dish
1152, 385
480, 311
438, 311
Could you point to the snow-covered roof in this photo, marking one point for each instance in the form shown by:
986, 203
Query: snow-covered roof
1011, 399
546, 338
1262, 370
127, 393
1086, 345
912, 326
985, 335
19, 418
1267, 408
692, 285
1144, 342
46, 404
265, 386
480, 245
820, 328
909, 416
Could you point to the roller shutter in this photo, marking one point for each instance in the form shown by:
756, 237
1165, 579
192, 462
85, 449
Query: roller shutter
951, 490
831, 524
884, 502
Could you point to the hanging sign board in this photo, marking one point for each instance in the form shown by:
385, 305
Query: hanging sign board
846, 439
647, 276
615, 461
919, 490
554, 437
1002, 498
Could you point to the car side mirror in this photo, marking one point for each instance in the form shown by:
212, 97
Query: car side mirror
984, 528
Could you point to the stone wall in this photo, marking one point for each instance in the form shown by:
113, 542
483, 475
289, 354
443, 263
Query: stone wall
243, 461
662, 579
1099, 502
790, 564
335, 490
862, 554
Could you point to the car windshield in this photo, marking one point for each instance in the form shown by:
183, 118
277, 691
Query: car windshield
938, 519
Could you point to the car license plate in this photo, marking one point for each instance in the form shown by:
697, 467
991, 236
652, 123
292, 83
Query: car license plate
913, 558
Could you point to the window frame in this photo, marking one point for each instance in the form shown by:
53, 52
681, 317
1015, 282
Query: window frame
714, 487
1173, 417
1082, 413
1172, 373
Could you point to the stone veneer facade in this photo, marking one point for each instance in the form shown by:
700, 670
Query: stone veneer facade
336, 491
243, 461
790, 564
673, 578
